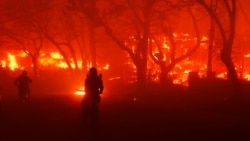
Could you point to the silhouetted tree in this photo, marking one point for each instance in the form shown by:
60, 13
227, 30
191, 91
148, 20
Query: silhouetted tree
176, 53
210, 45
128, 23
66, 32
224, 17
23, 20
110, 13
87, 9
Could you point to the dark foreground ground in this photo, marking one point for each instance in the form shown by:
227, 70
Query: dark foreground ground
154, 117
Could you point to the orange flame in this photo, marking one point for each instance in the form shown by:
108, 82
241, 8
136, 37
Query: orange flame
80, 92
179, 74
13, 64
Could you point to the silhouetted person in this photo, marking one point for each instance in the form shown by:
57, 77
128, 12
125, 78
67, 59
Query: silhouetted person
93, 89
22, 82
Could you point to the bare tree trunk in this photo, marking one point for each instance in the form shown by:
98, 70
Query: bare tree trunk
227, 52
92, 46
35, 66
228, 35
210, 50
232, 74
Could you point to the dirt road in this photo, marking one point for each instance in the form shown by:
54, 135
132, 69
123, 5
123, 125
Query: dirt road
53, 116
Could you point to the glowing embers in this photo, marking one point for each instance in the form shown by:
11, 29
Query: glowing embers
80, 92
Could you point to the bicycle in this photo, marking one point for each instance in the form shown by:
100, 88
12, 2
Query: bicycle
90, 112
24, 94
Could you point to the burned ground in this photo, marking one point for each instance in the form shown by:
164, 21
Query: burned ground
168, 113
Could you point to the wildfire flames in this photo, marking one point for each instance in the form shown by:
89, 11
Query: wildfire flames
179, 74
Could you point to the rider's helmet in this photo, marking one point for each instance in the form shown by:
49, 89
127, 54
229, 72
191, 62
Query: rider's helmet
24, 72
93, 71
